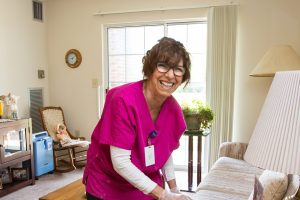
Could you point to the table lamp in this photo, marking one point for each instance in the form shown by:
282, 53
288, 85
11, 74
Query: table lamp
275, 142
277, 58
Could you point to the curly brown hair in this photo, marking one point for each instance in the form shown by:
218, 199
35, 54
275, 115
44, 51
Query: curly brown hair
169, 51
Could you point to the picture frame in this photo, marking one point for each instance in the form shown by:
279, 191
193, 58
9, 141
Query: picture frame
5, 176
19, 174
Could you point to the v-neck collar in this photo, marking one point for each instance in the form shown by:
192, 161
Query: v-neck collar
154, 124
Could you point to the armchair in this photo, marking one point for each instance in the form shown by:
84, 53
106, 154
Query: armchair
66, 158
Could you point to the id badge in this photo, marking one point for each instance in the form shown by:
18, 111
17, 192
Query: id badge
149, 155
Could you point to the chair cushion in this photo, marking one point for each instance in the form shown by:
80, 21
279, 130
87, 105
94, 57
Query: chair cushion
54, 117
228, 179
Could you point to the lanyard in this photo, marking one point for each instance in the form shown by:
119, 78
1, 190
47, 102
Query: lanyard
152, 135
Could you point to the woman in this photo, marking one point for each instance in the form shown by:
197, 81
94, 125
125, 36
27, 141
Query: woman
140, 126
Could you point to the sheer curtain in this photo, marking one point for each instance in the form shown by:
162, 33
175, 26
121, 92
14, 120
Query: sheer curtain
222, 26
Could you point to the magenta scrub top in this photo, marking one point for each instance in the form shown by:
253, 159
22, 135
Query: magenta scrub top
126, 123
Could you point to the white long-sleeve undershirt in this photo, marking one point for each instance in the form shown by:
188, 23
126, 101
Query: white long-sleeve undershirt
123, 166
168, 169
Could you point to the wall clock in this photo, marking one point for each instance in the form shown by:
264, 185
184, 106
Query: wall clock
73, 58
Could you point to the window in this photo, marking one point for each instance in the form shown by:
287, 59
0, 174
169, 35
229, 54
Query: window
127, 45
126, 48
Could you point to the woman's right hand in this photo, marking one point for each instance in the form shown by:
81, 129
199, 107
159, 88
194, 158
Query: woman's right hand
167, 195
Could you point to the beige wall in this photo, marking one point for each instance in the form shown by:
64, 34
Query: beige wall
26, 45
23, 51
261, 24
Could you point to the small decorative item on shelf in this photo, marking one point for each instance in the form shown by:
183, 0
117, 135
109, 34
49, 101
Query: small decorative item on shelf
1, 109
197, 116
10, 107
20, 174
5, 176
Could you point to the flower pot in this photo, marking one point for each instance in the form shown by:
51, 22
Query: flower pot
192, 121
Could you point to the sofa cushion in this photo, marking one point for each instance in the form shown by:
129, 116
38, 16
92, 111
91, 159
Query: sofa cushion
274, 185
228, 179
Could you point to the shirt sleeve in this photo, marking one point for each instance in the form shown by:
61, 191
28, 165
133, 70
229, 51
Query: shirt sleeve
123, 166
168, 169
117, 128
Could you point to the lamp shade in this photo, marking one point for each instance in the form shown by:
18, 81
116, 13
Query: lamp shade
275, 142
277, 58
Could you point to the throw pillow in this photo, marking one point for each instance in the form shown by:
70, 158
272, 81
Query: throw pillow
274, 185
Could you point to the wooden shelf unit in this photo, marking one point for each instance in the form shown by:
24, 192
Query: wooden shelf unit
22, 157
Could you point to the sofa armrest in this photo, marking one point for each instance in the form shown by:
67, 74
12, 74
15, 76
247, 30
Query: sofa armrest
233, 150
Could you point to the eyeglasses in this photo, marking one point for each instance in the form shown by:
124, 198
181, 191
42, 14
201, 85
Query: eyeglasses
164, 68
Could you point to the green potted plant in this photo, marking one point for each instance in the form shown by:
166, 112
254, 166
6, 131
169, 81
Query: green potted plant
197, 115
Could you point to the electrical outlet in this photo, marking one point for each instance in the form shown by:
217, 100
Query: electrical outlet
95, 83
41, 74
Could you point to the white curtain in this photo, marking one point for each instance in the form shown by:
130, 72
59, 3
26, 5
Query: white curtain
222, 26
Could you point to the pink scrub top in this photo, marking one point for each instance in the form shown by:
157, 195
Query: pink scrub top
126, 123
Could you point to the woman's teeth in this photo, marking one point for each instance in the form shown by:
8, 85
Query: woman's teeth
167, 84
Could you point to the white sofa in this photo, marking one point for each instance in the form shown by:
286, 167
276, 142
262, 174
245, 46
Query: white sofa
233, 178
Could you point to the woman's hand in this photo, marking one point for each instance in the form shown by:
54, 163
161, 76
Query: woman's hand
175, 190
168, 195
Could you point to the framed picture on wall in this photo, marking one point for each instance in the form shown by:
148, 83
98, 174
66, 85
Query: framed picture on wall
19, 174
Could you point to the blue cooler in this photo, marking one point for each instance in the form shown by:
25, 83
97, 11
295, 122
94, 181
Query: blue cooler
43, 153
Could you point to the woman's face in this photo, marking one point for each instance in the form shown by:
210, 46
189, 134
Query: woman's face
164, 84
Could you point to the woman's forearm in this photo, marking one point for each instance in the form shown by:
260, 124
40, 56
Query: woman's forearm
125, 168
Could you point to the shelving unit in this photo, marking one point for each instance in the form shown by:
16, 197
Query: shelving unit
16, 149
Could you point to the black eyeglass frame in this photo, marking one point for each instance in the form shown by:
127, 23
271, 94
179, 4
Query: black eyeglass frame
164, 68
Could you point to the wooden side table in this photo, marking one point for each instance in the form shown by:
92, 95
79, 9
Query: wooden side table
191, 134
72, 191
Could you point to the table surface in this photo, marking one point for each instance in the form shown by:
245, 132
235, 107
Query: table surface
197, 132
72, 191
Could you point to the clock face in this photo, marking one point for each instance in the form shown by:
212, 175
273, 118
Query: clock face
73, 58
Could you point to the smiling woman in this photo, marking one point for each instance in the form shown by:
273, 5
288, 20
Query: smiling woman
131, 142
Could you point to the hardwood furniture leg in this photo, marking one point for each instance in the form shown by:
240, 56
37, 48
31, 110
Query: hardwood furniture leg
71, 156
199, 160
190, 164
55, 160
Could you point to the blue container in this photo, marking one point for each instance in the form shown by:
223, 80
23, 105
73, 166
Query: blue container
43, 153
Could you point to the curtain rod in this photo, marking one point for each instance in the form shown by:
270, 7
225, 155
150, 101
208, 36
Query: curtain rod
162, 9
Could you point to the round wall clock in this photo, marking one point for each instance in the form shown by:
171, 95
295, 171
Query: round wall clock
73, 58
